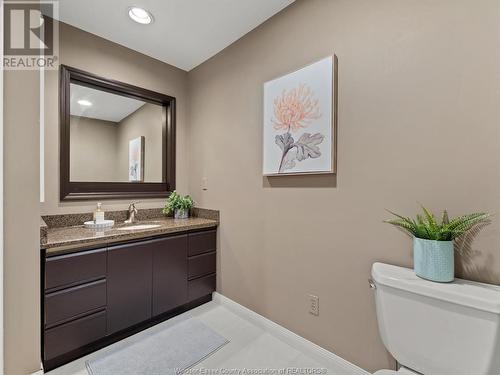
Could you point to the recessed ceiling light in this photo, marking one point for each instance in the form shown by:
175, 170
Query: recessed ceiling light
84, 102
140, 15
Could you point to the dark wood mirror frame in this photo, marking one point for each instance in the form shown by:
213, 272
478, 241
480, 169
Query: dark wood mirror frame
113, 190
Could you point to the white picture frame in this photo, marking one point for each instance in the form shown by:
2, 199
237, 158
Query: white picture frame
299, 127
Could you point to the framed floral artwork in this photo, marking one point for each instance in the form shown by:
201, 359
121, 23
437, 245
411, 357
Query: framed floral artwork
299, 121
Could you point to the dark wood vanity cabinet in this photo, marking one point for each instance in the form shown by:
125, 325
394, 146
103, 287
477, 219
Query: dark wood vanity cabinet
74, 301
92, 298
129, 285
201, 263
170, 267
145, 279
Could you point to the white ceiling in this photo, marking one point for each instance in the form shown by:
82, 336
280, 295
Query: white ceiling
105, 106
185, 33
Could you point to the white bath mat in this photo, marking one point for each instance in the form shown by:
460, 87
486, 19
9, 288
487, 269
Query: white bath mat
167, 352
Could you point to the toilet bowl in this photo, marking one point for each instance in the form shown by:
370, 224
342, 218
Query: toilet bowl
433, 328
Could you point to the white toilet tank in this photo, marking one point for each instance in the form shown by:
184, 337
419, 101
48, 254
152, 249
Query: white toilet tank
438, 329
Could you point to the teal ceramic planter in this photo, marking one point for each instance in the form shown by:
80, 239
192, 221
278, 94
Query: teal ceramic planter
434, 260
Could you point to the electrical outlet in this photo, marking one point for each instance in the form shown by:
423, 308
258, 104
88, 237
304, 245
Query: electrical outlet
313, 305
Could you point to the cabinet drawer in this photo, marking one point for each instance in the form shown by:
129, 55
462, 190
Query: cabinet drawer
67, 337
202, 242
201, 287
74, 301
201, 265
75, 268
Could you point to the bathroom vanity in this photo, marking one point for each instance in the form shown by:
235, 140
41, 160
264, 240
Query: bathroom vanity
99, 285
98, 288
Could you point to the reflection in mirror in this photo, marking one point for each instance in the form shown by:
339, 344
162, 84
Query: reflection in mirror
114, 138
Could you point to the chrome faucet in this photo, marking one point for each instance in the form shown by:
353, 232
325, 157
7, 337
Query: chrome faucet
132, 211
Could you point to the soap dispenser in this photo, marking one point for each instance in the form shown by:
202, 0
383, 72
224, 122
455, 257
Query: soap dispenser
98, 214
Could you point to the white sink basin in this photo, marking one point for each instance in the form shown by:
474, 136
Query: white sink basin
100, 224
140, 227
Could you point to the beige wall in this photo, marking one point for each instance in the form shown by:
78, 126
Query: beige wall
86, 51
146, 122
21, 223
93, 150
100, 149
418, 121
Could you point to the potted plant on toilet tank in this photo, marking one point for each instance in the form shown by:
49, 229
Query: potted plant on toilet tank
433, 251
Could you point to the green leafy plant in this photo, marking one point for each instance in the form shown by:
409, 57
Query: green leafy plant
177, 202
427, 227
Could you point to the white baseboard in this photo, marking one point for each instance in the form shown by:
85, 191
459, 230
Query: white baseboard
39, 372
287, 336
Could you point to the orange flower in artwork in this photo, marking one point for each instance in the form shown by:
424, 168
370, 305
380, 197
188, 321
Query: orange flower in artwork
295, 109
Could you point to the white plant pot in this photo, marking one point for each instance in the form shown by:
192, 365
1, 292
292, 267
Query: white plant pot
181, 214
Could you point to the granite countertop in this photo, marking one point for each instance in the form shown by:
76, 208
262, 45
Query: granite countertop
61, 239
66, 238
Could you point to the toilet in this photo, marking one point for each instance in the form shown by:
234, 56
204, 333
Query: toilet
437, 329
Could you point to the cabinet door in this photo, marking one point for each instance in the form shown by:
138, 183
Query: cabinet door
129, 285
169, 273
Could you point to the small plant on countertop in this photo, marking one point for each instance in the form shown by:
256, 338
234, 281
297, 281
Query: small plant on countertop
428, 227
178, 205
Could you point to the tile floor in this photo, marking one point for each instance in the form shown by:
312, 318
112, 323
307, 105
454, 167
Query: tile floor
250, 347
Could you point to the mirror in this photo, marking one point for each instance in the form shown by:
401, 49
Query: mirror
114, 138
117, 140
